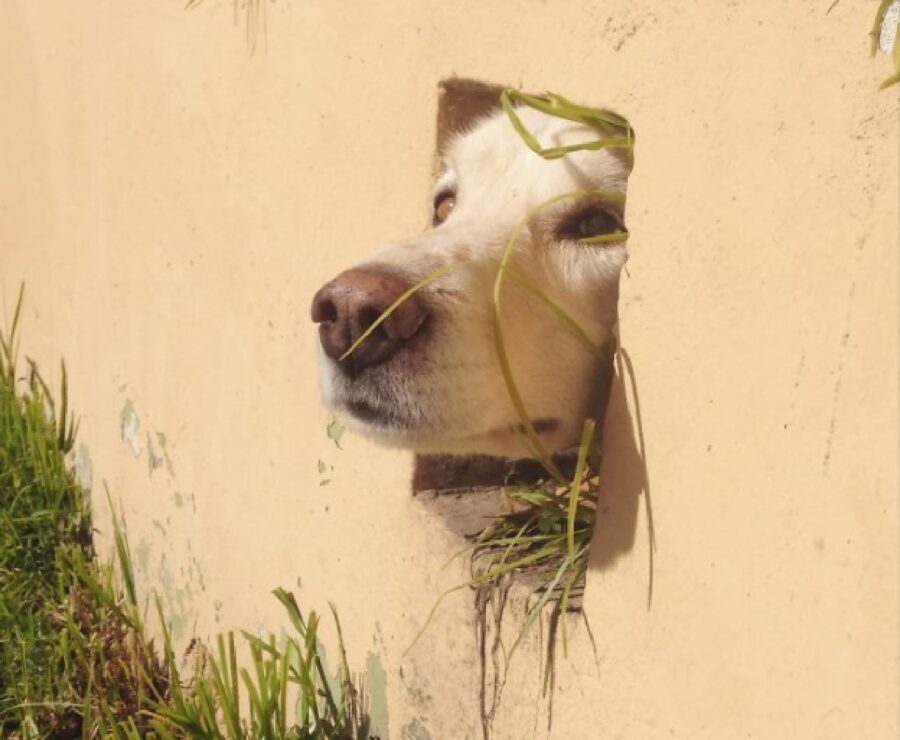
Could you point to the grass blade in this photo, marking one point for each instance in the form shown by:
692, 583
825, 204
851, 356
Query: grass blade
587, 438
424, 282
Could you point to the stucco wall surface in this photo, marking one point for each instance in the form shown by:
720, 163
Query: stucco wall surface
172, 203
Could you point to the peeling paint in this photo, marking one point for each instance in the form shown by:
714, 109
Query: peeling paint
177, 624
84, 470
324, 469
335, 431
196, 572
376, 681
177, 601
415, 730
163, 446
130, 428
153, 460
419, 698
142, 555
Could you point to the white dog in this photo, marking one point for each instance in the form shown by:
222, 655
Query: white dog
428, 377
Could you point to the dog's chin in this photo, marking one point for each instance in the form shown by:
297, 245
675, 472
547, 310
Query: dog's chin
385, 424
376, 408
389, 429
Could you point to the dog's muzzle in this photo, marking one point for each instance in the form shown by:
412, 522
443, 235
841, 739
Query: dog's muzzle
349, 305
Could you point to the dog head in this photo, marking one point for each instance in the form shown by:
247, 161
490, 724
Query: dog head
428, 377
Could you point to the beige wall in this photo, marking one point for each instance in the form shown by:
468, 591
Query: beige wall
172, 204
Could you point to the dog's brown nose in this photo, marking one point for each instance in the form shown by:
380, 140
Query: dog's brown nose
347, 306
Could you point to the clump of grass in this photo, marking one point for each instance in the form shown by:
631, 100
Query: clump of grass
76, 660
548, 535
72, 650
44, 521
287, 690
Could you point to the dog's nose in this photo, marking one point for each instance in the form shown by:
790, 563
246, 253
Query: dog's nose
347, 306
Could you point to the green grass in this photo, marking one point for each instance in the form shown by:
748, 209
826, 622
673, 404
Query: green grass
545, 539
44, 522
549, 535
76, 659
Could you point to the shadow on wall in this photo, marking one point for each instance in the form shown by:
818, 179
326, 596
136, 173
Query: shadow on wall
623, 474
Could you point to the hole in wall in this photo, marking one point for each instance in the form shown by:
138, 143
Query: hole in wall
466, 489
470, 493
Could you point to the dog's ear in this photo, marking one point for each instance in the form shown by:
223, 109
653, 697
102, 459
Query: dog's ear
461, 103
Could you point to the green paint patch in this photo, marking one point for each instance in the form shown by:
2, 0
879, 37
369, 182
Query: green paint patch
324, 469
153, 460
130, 428
195, 575
142, 555
84, 469
376, 681
335, 431
162, 441
201, 581
177, 598
177, 625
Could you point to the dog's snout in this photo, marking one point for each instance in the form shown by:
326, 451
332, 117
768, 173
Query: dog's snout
348, 305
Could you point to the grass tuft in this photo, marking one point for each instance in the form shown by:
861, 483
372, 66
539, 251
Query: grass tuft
76, 659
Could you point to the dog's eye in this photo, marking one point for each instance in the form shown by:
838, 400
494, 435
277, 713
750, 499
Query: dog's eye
593, 221
443, 204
